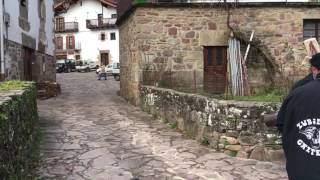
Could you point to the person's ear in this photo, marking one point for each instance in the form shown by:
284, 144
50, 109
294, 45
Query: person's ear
314, 70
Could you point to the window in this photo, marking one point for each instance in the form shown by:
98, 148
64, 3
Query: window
42, 9
70, 42
23, 3
60, 24
209, 57
113, 36
214, 55
311, 28
102, 36
113, 15
59, 42
219, 56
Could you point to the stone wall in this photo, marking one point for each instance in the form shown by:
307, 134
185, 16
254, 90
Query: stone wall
163, 46
130, 60
279, 34
18, 132
235, 128
43, 65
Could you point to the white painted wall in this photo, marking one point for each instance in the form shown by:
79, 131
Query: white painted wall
50, 27
14, 30
89, 39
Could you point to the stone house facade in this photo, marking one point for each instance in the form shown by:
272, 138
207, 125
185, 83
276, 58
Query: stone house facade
27, 45
166, 44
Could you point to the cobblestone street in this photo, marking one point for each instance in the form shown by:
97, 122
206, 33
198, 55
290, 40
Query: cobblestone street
89, 132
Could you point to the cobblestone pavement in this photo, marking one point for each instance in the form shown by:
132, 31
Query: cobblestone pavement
91, 133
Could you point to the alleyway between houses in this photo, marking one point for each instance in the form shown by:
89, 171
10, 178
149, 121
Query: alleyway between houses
89, 132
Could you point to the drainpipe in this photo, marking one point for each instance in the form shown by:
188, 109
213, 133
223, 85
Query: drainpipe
1, 38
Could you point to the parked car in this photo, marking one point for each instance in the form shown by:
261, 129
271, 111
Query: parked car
65, 65
85, 65
108, 69
116, 71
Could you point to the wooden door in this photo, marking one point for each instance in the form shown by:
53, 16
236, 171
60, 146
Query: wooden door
104, 58
27, 61
215, 69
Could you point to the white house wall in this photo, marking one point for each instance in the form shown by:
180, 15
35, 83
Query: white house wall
14, 30
89, 39
50, 27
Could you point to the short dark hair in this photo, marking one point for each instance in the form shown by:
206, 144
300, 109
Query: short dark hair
315, 61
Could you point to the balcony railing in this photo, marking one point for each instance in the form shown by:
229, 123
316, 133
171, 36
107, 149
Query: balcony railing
77, 47
68, 27
105, 23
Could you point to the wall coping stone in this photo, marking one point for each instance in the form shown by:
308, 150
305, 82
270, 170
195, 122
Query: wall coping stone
129, 11
222, 102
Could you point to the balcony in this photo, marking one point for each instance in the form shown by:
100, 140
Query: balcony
105, 23
67, 27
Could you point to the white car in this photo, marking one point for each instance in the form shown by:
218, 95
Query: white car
113, 69
116, 71
108, 69
85, 65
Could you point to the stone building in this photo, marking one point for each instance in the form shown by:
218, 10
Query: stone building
167, 44
27, 48
86, 30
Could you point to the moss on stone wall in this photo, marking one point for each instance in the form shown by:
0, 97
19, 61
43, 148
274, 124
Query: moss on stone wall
18, 129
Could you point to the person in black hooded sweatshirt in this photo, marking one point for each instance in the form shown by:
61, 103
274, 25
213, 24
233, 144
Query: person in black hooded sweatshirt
299, 122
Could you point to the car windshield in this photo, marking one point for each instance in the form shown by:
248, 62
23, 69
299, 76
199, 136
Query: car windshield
79, 63
62, 61
116, 66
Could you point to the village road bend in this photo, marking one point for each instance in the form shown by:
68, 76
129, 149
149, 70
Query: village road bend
90, 133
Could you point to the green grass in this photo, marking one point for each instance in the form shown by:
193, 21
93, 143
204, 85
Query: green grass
233, 153
13, 85
260, 98
274, 95
205, 141
173, 125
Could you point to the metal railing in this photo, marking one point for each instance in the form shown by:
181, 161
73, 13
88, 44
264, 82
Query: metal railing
68, 27
101, 23
77, 47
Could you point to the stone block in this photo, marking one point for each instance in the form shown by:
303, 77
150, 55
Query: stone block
233, 147
228, 140
190, 34
212, 26
248, 140
259, 153
242, 154
275, 155
214, 37
172, 31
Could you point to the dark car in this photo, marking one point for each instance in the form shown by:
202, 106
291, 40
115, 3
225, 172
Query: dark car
65, 65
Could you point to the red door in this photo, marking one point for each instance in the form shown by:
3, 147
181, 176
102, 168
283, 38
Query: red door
215, 69
27, 60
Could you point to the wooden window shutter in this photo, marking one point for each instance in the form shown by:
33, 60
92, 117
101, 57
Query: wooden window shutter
67, 43
56, 42
61, 42
73, 42
62, 23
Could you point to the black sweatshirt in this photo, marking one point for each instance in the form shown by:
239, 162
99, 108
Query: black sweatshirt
299, 122
303, 81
